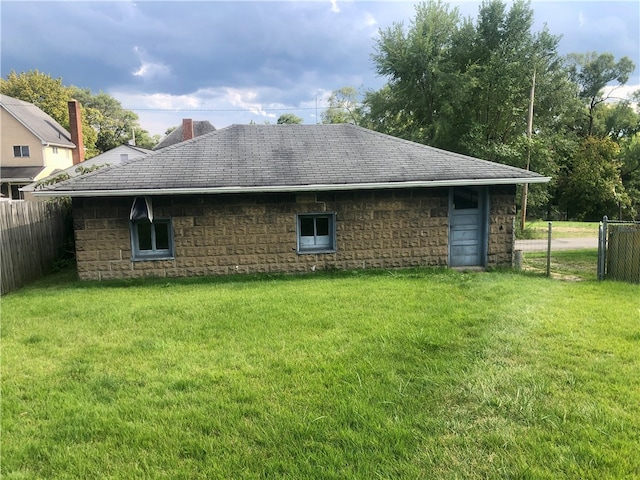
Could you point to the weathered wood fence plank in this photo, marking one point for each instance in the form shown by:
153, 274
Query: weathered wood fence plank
32, 236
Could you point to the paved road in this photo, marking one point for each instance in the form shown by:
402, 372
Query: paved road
556, 244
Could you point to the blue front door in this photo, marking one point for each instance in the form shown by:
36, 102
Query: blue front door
467, 227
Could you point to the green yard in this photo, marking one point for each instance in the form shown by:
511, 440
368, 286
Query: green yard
539, 229
409, 374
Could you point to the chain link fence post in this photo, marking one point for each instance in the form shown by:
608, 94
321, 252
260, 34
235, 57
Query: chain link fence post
549, 251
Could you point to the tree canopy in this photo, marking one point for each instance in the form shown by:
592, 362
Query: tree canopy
289, 118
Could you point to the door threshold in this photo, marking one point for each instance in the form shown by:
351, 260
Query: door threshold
469, 268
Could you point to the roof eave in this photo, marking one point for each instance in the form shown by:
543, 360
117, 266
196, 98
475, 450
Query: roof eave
289, 188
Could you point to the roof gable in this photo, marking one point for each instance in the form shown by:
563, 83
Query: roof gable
255, 158
45, 128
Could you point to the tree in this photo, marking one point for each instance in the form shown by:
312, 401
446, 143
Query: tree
592, 186
289, 118
45, 92
419, 69
343, 107
113, 124
592, 72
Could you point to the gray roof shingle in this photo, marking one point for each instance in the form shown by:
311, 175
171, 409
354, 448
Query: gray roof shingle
39, 123
245, 158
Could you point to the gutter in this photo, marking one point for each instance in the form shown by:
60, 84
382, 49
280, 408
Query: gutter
288, 188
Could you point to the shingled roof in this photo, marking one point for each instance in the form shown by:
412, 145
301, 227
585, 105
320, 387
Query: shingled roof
289, 158
39, 123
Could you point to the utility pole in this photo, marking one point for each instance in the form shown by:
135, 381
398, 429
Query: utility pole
525, 187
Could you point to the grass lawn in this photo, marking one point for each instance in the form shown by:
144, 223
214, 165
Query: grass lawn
539, 229
565, 264
410, 374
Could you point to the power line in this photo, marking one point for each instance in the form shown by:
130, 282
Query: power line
251, 110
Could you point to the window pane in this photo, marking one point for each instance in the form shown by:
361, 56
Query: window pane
144, 235
162, 235
17, 152
25, 151
306, 226
463, 199
322, 226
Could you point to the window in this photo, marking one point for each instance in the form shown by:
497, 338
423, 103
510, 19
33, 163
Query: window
316, 233
21, 150
465, 198
55, 150
151, 241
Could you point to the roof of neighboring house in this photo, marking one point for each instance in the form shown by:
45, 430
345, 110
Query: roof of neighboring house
19, 174
289, 158
37, 122
114, 156
200, 127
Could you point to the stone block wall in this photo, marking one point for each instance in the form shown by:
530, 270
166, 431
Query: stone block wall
502, 216
225, 234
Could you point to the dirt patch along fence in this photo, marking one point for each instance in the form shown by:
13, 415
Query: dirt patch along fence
619, 251
32, 237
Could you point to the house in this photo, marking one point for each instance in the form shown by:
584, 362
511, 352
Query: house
292, 198
114, 156
188, 130
34, 145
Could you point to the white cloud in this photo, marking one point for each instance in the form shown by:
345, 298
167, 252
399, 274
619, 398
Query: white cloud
149, 69
334, 6
370, 20
581, 19
246, 99
616, 93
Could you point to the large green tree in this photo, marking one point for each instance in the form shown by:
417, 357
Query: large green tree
592, 72
343, 107
420, 71
592, 186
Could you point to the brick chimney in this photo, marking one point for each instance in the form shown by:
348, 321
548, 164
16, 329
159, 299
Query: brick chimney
187, 129
75, 127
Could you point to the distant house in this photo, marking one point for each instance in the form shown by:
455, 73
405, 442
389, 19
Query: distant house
188, 130
34, 145
292, 198
121, 153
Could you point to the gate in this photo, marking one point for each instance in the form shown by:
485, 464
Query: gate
619, 251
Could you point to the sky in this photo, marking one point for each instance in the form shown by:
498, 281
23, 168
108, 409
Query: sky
243, 61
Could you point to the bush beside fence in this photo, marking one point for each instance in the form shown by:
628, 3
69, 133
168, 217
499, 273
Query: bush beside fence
32, 237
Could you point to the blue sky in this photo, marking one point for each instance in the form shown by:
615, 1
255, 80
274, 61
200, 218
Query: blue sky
236, 62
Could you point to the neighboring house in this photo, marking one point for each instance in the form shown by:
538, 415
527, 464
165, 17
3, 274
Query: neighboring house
188, 130
34, 145
114, 156
292, 198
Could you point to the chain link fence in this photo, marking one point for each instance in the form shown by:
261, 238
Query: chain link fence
619, 251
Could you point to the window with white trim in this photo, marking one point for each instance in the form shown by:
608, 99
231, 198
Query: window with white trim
151, 240
317, 233
21, 151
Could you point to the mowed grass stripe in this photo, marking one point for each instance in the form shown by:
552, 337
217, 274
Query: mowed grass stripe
415, 374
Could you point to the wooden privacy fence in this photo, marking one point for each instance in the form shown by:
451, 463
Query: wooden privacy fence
32, 236
619, 251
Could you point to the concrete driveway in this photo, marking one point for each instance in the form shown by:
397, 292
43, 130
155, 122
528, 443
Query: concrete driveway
556, 244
